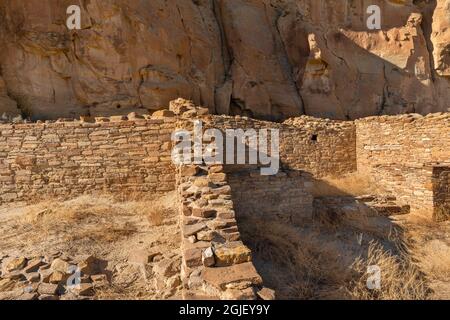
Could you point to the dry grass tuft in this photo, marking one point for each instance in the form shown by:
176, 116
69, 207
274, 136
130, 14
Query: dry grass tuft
303, 264
310, 264
400, 278
91, 218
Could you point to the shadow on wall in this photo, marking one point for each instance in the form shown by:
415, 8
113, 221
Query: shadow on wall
313, 248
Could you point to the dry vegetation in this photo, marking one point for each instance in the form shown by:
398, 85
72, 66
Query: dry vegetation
95, 225
326, 262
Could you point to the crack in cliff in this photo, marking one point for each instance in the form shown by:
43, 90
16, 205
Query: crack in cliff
288, 66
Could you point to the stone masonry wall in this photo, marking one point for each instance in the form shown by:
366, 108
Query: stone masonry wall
400, 153
215, 262
318, 146
284, 196
66, 159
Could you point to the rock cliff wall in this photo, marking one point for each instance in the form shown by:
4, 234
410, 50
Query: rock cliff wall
266, 58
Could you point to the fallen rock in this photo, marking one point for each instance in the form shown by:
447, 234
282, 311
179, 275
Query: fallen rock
247, 294
84, 289
16, 276
60, 265
266, 294
48, 289
7, 285
16, 264
33, 277
34, 265
58, 277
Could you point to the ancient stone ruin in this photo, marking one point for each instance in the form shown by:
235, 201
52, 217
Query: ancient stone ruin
407, 154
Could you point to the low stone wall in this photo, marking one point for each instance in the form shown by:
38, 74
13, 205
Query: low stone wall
400, 153
215, 262
318, 146
66, 159
284, 196
410, 185
409, 140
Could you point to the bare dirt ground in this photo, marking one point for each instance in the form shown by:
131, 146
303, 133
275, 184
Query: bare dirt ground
103, 227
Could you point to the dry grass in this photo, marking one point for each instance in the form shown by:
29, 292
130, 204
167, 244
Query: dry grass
309, 264
430, 245
296, 264
354, 184
90, 218
400, 278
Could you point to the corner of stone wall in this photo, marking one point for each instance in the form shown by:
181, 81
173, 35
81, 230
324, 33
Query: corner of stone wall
216, 264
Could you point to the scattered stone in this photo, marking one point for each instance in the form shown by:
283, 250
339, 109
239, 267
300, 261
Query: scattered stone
16, 264
58, 277
216, 169
16, 276
34, 265
134, 116
203, 182
7, 285
266, 294
90, 265
217, 177
239, 295
189, 171
84, 289
45, 275
60, 265
48, 289
192, 239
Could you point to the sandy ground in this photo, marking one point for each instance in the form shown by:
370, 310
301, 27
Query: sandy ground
97, 226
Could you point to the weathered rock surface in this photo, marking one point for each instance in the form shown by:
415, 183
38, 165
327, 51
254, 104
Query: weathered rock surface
265, 58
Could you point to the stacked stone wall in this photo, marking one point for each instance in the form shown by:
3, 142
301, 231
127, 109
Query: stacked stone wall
400, 154
67, 159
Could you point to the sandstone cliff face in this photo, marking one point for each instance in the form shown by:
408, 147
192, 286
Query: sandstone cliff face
265, 58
